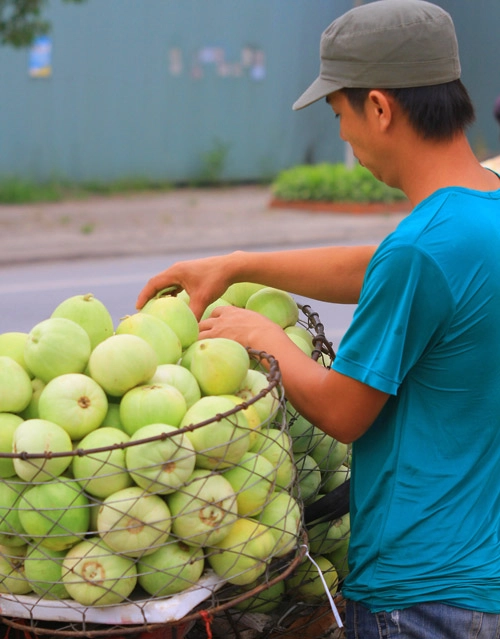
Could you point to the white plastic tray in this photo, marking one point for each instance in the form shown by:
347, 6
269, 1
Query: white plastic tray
164, 610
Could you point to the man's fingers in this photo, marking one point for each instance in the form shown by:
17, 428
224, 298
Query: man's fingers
156, 287
173, 290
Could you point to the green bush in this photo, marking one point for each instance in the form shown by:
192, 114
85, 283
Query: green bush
332, 183
15, 190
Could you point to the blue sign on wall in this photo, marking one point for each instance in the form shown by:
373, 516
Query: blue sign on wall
40, 57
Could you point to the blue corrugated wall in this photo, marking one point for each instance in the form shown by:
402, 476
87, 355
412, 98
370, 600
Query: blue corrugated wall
164, 89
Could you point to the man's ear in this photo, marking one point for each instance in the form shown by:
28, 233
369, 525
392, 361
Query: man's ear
380, 108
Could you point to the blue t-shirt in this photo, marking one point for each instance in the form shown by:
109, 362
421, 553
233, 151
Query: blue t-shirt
425, 486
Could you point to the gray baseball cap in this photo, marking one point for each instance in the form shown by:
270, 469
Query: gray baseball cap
386, 44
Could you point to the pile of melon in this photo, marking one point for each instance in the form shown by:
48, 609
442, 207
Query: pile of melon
136, 458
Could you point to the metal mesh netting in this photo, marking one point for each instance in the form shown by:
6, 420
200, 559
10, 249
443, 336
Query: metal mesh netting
146, 538
136, 535
298, 605
323, 467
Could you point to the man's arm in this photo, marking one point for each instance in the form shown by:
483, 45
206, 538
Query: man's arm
339, 405
331, 274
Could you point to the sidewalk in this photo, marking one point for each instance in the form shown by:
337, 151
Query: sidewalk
182, 220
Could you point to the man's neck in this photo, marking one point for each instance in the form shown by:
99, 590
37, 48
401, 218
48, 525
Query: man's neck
429, 166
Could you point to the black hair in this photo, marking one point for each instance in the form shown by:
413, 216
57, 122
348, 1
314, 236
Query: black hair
436, 112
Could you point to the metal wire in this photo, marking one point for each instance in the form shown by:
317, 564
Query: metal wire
220, 600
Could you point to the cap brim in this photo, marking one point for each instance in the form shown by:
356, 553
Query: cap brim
319, 89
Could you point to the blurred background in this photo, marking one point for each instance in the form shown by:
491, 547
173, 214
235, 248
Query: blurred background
193, 90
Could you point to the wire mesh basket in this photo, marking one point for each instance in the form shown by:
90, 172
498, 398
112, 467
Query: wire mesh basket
148, 534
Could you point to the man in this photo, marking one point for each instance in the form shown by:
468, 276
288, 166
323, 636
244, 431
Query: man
415, 384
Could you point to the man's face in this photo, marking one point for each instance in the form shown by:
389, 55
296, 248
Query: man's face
357, 128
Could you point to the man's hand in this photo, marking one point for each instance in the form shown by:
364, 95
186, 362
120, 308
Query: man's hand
204, 280
249, 328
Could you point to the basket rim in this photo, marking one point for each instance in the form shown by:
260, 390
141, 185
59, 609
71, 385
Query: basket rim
274, 381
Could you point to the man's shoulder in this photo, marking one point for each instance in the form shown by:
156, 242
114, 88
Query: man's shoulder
440, 216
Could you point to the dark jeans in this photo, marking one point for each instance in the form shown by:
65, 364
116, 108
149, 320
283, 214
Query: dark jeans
431, 620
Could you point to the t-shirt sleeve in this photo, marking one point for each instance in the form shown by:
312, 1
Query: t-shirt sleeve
404, 309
